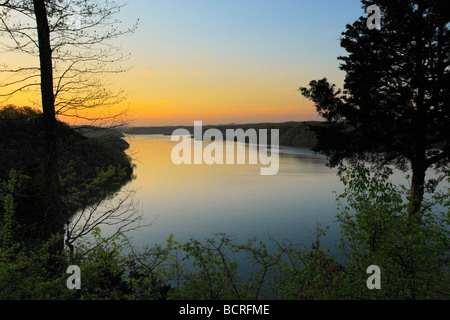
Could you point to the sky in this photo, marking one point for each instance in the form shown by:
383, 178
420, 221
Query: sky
229, 61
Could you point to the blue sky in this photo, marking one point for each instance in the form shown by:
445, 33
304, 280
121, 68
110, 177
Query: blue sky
230, 60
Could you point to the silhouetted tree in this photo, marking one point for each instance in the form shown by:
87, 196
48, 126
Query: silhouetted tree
72, 40
394, 107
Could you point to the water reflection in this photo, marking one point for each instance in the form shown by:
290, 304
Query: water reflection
201, 200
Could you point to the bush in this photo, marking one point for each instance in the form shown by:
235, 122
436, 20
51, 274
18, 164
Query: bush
376, 229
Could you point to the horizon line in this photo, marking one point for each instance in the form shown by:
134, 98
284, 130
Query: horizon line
225, 124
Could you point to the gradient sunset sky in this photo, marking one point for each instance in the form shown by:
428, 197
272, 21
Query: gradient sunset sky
229, 61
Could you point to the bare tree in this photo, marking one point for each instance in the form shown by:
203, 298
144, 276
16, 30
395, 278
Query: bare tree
120, 216
73, 40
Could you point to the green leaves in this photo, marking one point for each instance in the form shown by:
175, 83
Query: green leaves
393, 108
376, 229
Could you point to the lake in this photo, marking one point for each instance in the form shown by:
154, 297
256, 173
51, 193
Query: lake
202, 200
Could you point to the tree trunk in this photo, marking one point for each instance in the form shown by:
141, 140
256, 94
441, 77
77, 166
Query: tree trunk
419, 167
53, 222
417, 188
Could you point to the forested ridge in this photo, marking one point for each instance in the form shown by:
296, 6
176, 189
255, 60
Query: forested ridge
80, 161
295, 134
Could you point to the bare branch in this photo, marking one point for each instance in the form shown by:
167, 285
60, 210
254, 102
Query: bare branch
122, 213
81, 35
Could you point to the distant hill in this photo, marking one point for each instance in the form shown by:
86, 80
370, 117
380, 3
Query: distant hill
298, 134
106, 136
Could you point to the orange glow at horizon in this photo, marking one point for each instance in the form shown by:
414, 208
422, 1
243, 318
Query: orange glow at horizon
171, 99
217, 62
155, 117
173, 114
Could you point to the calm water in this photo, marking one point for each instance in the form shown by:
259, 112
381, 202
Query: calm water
202, 200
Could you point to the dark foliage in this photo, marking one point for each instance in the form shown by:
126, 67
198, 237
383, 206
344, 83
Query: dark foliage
394, 107
23, 149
